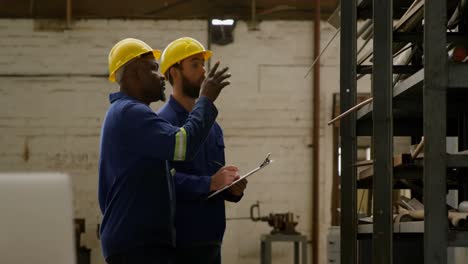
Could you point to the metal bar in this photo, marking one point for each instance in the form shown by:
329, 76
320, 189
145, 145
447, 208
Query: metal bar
457, 160
316, 137
462, 146
351, 110
253, 11
296, 252
348, 95
403, 127
435, 108
382, 87
364, 163
417, 37
317, 58
363, 46
418, 149
31, 8
238, 218
208, 40
458, 239
253, 19
266, 257
262, 252
364, 27
414, 37
397, 69
335, 194
69, 13
304, 251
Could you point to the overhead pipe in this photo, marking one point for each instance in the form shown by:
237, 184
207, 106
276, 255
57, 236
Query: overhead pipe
253, 15
69, 13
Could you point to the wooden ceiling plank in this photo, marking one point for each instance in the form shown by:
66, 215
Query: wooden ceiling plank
168, 9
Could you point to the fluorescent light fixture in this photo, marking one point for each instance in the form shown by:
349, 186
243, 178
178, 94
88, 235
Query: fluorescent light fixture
225, 22
339, 161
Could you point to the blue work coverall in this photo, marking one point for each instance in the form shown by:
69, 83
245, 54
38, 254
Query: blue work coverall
136, 190
199, 222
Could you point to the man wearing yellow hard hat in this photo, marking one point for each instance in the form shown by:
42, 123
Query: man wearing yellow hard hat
200, 223
136, 189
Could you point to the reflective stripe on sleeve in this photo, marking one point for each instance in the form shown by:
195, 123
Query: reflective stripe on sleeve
180, 144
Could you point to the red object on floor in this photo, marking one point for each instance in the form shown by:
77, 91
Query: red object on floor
459, 54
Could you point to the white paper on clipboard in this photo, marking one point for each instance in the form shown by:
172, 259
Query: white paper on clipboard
265, 163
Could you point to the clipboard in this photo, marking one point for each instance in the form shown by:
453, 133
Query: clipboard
265, 163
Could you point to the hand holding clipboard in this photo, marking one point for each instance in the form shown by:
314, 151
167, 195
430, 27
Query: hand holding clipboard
265, 163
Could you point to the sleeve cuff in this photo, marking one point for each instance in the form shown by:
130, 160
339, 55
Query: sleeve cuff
210, 105
232, 198
206, 184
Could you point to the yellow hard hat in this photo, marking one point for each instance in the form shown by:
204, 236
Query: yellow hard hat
126, 50
180, 49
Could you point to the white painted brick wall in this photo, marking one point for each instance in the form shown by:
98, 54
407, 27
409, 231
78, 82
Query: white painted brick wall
53, 123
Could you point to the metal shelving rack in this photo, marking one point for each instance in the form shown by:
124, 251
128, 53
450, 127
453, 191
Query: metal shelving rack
390, 115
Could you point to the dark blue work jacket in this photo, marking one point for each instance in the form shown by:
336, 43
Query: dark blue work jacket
136, 190
198, 221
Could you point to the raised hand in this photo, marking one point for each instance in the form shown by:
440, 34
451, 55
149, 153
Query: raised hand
214, 82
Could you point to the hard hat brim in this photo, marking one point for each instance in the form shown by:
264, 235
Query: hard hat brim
156, 54
207, 54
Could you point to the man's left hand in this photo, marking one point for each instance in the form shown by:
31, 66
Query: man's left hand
238, 188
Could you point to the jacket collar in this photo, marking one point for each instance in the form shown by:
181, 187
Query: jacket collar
177, 106
118, 95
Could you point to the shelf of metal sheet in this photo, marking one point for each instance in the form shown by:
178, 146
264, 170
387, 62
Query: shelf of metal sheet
408, 105
408, 242
456, 238
409, 177
399, 111
412, 234
402, 227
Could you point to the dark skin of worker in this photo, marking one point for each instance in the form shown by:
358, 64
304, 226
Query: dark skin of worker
187, 79
142, 80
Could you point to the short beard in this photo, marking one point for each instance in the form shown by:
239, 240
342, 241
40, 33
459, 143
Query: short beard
189, 89
162, 97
